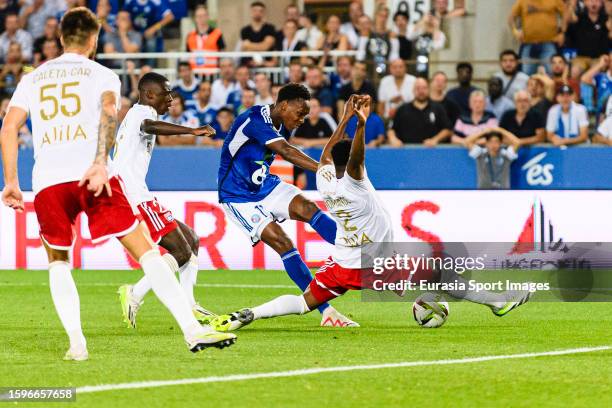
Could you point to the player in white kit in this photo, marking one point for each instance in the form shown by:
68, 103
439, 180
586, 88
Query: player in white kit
72, 102
131, 158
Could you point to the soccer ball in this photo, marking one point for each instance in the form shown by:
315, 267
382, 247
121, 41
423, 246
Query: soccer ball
430, 310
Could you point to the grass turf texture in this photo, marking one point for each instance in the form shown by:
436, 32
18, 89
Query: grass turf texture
33, 342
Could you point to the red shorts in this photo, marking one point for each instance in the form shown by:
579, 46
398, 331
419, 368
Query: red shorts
158, 219
58, 206
332, 280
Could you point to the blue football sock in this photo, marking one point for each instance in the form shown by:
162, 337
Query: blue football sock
299, 272
325, 226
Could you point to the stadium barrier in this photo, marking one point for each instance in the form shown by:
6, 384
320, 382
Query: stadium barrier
417, 216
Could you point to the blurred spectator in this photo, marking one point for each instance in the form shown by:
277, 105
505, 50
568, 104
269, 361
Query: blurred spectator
524, 122
420, 121
375, 48
309, 33
374, 128
224, 85
126, 104
258, 35
315, 131
288, 40
496, 101
493, 160
70, 4
148, 18
123, 39
359, 85
561, 75
275, 89
568, 121
604, 132
7, 7
204, 38
243, 81
441, 9
264, 92
439, 83
34, 13
513, 79
296, 72
541, 89
477, 122
187, 83
395, 89
351, 28
539, 31
223, 124
51, 32
134, 78
461, 94
342, 76
401, 30
201, 106
12, 70
179, 116
426, 34
315, 82
381, 16
600, 76
247, 100
15, 34
25, 139
588, 33
332, 39
106, 11
50, 51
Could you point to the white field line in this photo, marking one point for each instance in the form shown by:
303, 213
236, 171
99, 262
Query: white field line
200, 285
309, 371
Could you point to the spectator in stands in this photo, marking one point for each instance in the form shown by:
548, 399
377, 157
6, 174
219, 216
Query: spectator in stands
123, 39
420, 121
7, 7
50, 51
25, 139
441, 9
461, 94
204, 38
374, 128
332, 39
201, 106
395, 89
275, 89
126, 104
374, 47
247, 100
359, 85
561, 75
187, 83
426, 34
541, 89
148, 18
264, 92
600, 76
315, 82
296, 72
12, 70
15, 34
401, 30
351, 28
69, 5
132, 91
178, 115
439, 83
493, 160
342, 76
288, 40
34, 13
524, 122
568, 121
243, 81
588, 33
51, 32
106, 11
496, 101
309, 33
224, 85
222, 125
539, 32
604, 132
258, 35
513, 79
477, 122
315, 131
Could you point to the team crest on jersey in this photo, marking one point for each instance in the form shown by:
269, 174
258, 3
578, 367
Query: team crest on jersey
255, 218
169, 217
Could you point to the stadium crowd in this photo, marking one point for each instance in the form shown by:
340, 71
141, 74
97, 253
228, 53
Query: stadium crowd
553, 89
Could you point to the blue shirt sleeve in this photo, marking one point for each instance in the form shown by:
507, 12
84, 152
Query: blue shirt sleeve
260, 130
162, 9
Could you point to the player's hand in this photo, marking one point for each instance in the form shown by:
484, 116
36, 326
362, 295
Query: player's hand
12, 197
96, 178
362, 106
205, 130
431, 142
349, 107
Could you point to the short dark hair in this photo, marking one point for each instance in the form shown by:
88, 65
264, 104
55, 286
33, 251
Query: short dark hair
508, 52
179, 97
78, 25
225, 109
293, 91
341, 152
491, 135
559, 55
151, 78
401, 14
258, 4
463, 65
184, 64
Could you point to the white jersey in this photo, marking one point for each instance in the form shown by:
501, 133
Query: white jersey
359, 214
132, 153
63, 98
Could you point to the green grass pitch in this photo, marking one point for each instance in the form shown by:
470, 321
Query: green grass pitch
32, 343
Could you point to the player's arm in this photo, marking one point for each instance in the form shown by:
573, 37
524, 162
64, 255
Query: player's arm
161, 128
338, 135
293, 155
9, 135
356, 162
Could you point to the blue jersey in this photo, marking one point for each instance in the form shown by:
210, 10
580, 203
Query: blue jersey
244, 172
145, 13
206, 116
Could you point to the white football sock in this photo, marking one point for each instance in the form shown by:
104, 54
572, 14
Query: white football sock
483, 297
187, 277
281, 306
141, 288
66, 301
169, 292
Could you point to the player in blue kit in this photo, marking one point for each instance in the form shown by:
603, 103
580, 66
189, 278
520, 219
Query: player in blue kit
257, 201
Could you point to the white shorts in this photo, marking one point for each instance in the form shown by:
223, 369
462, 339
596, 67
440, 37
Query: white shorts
252, 218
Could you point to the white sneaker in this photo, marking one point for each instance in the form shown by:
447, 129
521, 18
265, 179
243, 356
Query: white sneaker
333, 318
78, 353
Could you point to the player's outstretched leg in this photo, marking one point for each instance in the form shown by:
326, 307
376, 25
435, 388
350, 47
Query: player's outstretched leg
302, 209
